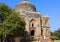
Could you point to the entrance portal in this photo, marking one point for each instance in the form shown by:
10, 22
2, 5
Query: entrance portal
32, 33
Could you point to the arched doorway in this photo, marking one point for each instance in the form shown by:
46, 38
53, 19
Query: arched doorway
32, 33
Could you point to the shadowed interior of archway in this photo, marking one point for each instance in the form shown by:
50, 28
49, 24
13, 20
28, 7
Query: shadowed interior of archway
32, 33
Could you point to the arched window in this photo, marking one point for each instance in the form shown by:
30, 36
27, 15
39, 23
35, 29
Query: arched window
41, 32
32, 25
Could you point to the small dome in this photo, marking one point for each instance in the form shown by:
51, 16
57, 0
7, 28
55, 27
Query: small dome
24, 5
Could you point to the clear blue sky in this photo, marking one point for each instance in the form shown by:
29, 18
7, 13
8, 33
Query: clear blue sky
50, 7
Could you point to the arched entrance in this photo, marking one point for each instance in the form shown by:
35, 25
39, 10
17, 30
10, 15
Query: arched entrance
32, 33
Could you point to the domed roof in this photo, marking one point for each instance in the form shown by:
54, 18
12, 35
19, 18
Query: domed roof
24, 5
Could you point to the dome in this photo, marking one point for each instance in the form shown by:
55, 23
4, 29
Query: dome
24, 5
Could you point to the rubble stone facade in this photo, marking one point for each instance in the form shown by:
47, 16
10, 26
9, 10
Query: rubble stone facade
37, 26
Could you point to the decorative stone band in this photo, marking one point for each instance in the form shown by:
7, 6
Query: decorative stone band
45, 26
34, 28
33, 15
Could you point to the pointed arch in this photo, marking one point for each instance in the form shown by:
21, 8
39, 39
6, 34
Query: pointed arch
32, 20
32, 23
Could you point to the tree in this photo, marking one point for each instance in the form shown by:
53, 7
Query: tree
57, 33
5, 11
53, 36
12, 23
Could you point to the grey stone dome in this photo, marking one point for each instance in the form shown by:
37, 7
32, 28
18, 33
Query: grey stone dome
24, 5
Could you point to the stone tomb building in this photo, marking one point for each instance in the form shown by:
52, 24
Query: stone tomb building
37, 26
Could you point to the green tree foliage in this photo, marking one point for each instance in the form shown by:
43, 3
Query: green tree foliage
52, 33
53, 36
1, 29
57, 33
12, 23
5, 11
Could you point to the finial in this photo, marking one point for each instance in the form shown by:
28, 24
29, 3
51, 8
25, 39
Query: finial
24, 0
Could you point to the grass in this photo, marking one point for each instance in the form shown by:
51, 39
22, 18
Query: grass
56, 40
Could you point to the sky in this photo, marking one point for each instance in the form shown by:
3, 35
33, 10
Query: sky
50, 7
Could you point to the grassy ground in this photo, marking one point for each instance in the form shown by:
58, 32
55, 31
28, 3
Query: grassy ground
57, 41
